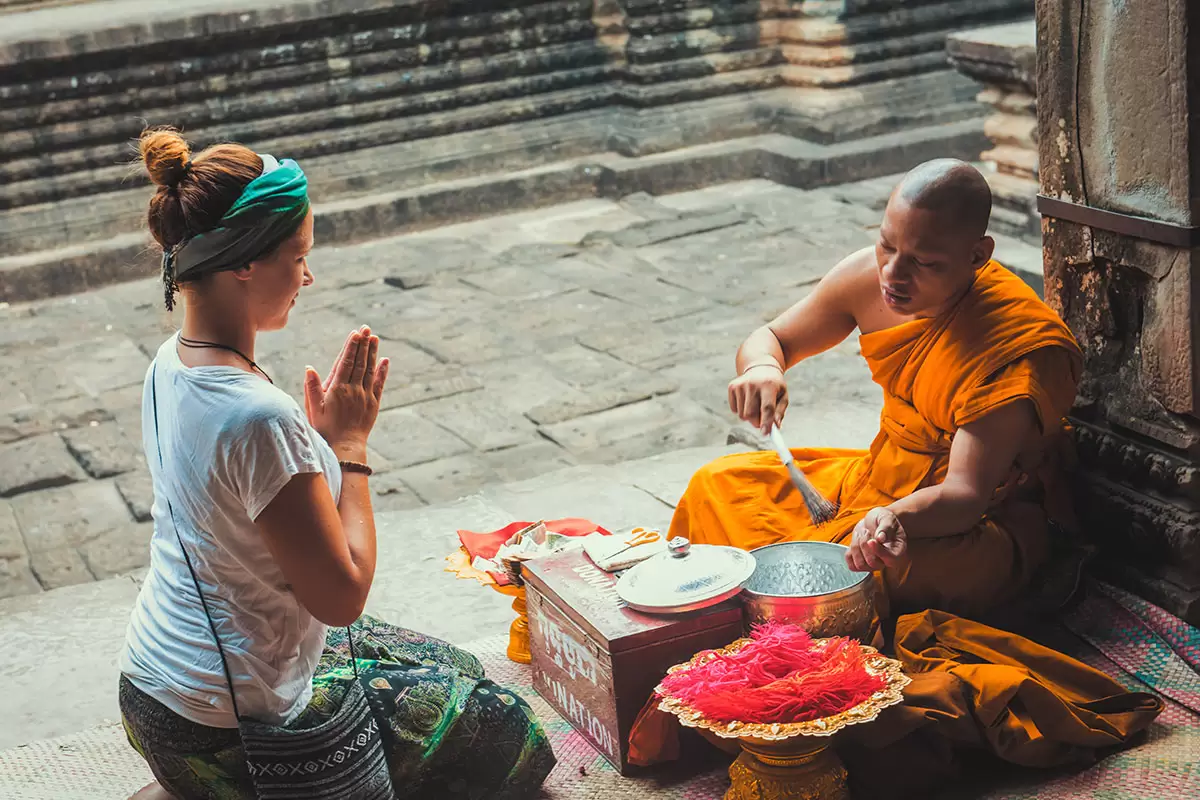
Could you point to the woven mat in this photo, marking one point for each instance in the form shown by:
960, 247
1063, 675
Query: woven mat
1140, 645
99, 764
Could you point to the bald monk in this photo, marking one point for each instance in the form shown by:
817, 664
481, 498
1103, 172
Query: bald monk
977, 373
952, 504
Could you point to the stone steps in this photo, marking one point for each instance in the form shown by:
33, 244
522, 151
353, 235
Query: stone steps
461, 89
387, 190
85, 624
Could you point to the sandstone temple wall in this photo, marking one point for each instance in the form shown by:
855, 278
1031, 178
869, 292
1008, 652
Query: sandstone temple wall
372, 94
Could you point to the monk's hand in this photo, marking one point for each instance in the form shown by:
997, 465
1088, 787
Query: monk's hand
759, 396
878, 541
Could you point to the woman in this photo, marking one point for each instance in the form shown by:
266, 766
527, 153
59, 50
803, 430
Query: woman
263, 521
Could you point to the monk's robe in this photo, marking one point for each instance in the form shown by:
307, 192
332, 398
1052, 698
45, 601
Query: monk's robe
999, 345
974, 686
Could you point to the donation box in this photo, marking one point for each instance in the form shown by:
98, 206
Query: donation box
597, 661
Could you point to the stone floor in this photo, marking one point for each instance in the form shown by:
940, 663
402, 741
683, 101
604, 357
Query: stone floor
591, 333
47, 697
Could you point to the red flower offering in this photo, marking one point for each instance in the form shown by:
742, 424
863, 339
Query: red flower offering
781, 675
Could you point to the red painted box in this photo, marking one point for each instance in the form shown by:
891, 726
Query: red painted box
597, 661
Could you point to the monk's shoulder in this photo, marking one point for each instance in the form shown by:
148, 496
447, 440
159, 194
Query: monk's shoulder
857, 278
856, 275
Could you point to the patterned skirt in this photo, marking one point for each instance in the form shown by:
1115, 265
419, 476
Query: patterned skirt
450, 732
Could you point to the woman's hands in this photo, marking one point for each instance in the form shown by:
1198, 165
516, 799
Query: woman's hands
344, 406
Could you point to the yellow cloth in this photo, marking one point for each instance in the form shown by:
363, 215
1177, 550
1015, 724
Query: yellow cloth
974, 685
999, 345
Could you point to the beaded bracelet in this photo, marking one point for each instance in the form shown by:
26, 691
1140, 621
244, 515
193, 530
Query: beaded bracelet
355, 466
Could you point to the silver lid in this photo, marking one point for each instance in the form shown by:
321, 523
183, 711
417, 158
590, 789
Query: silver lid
685, 578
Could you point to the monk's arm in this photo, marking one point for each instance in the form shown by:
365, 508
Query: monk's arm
813, 325
981, 456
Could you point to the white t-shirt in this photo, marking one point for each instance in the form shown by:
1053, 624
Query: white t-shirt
230, 442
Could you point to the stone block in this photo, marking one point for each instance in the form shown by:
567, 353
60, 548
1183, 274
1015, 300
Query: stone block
125, 407
534, 253
12, 545
16, 578
481, 419
648, 207
628, 387
657, 345
405, 438
520, 282
448, 479
476, 342
67, 517
655, 298
51, 697
659, 231
32, 419
666, 476
119, 551
997, 54
584, 367
137, 490
572, 223
595, 493
638, 430
447, 381
89, 367
528, 460
59, 567
524, 383
104, 449
37, 463
390, 493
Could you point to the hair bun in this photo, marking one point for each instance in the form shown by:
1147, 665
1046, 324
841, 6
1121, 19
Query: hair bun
166, 154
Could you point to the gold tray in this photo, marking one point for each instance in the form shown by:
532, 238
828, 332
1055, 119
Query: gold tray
876, 664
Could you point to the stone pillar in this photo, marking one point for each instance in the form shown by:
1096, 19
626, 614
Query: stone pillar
1003, 59
1119, 145
858, 67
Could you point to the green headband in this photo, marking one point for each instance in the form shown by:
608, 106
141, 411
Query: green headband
269, 210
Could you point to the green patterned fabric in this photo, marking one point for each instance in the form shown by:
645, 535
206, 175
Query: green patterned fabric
268, 211
450, 732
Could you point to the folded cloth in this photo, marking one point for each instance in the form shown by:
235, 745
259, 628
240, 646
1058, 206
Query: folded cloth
487, 545
606, 551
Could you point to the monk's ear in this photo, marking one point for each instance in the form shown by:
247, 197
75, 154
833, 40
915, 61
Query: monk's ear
982, 252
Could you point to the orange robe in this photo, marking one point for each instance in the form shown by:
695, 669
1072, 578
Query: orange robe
1001, 344
974, 685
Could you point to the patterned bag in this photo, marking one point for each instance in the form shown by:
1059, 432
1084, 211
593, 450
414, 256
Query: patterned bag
342, 758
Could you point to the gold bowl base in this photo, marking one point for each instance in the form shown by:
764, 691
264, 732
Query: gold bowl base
792, 769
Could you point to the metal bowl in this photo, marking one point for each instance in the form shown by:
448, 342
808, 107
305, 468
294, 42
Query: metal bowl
809, 584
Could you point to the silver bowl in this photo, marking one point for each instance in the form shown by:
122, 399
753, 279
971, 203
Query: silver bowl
809, 584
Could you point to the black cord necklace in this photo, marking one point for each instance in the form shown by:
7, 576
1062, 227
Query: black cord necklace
203, 345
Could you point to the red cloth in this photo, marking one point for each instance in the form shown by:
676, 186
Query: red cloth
486, 545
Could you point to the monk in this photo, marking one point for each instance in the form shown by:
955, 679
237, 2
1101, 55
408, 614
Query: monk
953, 504
977, 373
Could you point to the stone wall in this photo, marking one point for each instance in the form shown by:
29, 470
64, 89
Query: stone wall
1003, 58
365, 91
1119, 148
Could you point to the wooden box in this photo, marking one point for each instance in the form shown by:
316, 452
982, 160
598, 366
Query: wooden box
597, 661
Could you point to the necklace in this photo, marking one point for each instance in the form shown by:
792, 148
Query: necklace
203, 345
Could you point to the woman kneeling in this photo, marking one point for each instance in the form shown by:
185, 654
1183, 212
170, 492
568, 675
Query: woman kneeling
263, 528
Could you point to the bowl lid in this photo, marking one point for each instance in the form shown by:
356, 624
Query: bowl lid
686, 577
